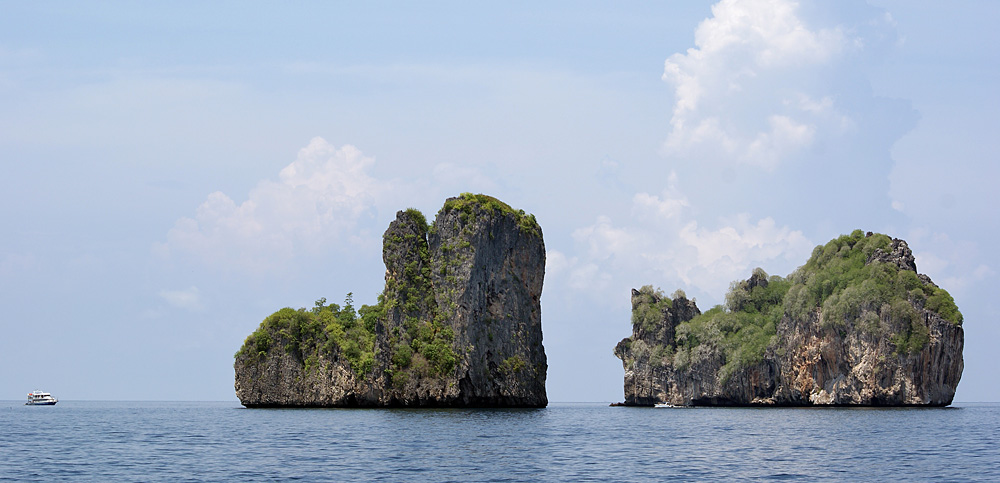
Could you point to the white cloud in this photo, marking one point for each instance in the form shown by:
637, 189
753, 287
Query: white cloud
955, 266
585, 277
785, 136
604, 240
653, 207
188, 299
661, 243
761, 84
556, 262
316, 201
730, 252
770, 31
982, 271
590, 277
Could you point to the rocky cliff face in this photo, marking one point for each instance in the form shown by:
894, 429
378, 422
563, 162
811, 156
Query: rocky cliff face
856, 325
458, 324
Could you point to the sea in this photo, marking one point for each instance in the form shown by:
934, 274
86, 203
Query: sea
222, 441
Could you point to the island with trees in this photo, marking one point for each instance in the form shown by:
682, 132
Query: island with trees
855, 326
458, 323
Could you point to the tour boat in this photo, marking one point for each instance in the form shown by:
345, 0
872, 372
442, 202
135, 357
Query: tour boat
40, 398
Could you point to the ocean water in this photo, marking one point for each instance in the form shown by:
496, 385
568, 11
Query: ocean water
213, 441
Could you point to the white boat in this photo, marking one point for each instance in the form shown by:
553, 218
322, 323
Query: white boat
40, 398
663, 405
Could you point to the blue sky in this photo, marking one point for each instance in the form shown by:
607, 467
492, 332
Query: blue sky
173, 173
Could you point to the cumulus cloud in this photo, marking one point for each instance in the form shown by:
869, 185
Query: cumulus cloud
188, 299
956, 266
582, 276
728, 253
667, 206
603, 239
765, 79
660, 242
316, 200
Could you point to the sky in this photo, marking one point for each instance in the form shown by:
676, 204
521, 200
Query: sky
173, 173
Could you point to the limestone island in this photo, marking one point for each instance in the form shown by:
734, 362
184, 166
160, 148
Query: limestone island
457, 325
855, 326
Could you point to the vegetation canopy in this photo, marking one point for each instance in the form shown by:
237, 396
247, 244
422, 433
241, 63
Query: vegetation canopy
650, 305
468, 203
329, 330
842, 285
421, 346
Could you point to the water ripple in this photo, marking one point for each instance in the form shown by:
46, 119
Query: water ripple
565, 442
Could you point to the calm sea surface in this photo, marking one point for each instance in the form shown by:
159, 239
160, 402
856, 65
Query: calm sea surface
193, 441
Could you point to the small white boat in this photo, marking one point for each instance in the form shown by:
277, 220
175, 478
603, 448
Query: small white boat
663, 405
40, 398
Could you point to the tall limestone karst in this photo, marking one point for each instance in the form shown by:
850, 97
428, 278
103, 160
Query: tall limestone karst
458, 324
855, 325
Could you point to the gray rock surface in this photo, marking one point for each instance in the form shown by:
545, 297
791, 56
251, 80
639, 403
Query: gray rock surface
460, 323
809, 362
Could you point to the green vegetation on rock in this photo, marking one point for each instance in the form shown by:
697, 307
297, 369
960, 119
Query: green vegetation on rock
649, 307
418, 217
513, 364
742, 329
422, 347
328, 330
421, 344
466, 203
838, 281
844, 284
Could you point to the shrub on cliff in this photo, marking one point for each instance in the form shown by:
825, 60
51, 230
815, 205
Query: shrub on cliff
444, 283
468, 203
839, 281
649, 307
851, 281
742, 329
329, 329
